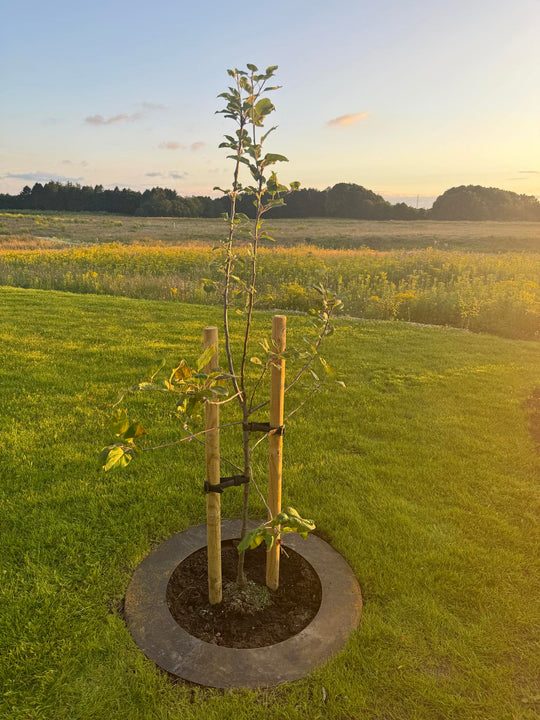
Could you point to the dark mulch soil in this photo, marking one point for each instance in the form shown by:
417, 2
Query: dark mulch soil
235, 622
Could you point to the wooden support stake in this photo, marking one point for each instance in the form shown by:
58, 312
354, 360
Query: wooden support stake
213, 501
275, 452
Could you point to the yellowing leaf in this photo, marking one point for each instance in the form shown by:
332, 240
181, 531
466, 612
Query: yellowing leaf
182, 372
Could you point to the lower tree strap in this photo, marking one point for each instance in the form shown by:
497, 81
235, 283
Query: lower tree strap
264, 427
226, 482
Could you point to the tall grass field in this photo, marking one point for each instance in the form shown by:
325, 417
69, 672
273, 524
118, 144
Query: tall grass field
422, 473
18, 227
427, 272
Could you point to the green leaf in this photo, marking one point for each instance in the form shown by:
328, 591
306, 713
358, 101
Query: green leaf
275, 202
205, 358
246, 85
119, 421
252, 67
255, 360
329, 371
134, 431
271, 158
290, 521
318, 288
115, 456
266, 134
251, 540
262, 108
243, 545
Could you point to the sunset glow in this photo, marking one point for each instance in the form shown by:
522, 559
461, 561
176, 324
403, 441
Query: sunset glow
407, 99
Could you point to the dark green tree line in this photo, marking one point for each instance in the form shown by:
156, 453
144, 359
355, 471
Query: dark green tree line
344, 200
474, 202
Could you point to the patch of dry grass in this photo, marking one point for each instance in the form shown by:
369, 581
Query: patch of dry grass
87, 228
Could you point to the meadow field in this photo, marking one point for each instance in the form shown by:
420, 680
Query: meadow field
25, 228
421, 473
430, 274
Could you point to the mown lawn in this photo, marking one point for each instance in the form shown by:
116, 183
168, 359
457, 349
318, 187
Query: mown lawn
422, 474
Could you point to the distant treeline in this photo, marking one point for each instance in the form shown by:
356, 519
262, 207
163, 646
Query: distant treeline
344, 200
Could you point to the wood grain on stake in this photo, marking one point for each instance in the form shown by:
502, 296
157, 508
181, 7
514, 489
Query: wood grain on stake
213, 502
275, 451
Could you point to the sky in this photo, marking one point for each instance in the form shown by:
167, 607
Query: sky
405, 97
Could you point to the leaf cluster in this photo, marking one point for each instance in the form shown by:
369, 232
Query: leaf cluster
247, 106
121, 453
286, 521
196, 385
193, 386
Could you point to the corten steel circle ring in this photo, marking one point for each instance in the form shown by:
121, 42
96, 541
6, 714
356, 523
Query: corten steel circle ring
172, 648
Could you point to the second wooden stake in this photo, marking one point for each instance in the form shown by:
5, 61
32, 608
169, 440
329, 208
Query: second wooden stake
277, 391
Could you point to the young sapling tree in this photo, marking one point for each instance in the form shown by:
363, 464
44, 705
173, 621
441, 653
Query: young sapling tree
206, 385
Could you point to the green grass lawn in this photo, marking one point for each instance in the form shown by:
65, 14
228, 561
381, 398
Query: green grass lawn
422, 474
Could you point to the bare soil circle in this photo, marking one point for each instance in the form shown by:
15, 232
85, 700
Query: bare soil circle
183, 655
252, 618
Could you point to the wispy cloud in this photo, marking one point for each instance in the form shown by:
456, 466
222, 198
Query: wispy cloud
529, 172
170, 145
344, 120
196, 146
100, 120
82, 163
146, 107
174, 174
40, 177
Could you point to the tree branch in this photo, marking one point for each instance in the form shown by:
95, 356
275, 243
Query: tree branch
305, 367
259, 380
191, 437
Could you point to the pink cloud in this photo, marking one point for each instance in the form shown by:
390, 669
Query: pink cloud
170, 145
344, 120
196, 146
